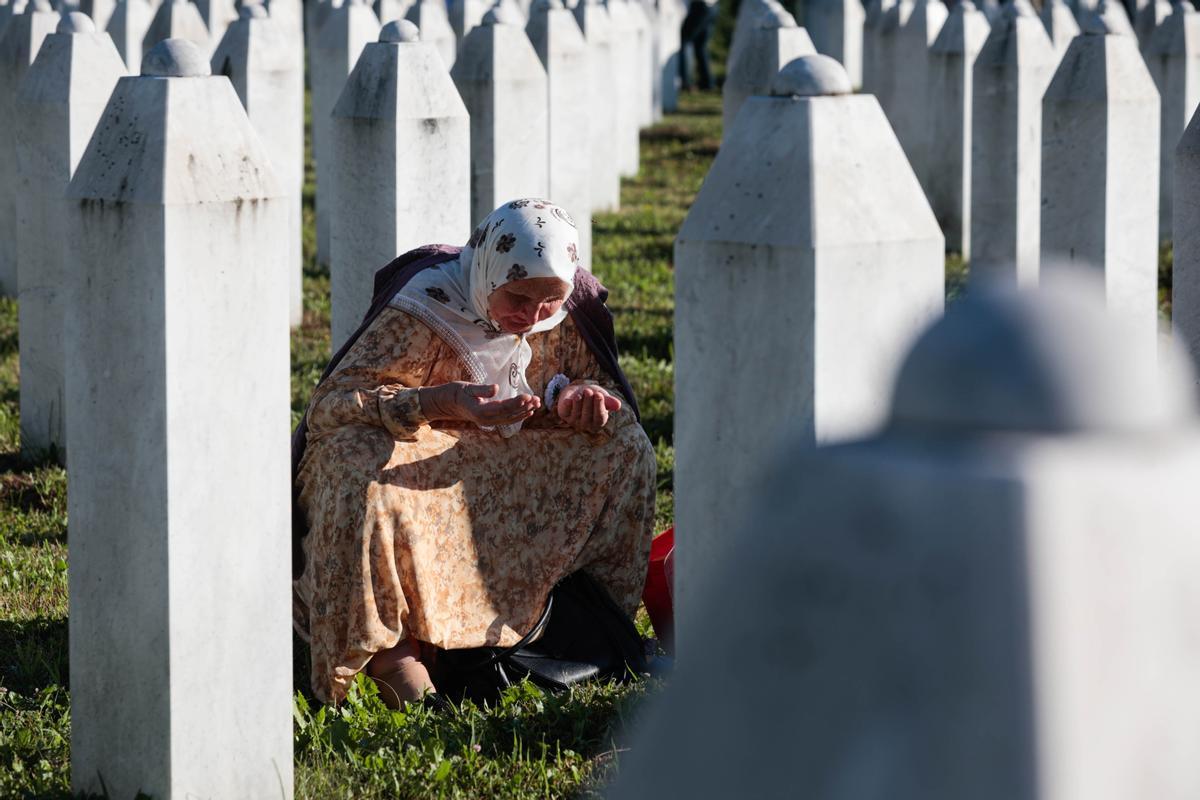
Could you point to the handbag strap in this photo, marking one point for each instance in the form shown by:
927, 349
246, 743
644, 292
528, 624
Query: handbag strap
534, 632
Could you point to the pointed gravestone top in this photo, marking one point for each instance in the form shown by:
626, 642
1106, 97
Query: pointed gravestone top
1107, 20
1051, 361
253, 11
399, 31
502, 14
811, 76
775, 16
176, 58
76, 22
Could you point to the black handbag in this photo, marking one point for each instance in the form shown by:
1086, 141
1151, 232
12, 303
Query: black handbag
582, 635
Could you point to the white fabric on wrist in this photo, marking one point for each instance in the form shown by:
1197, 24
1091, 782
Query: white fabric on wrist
556, 385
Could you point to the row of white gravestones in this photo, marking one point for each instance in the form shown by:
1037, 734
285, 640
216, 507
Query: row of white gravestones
402, 172
504, 87
259, 56
811, 223
22, 39
993, 597
1174, 60
199, 304
952, 61
60, 101
836, 28
771, 40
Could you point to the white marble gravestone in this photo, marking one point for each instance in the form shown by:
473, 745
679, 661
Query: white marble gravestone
912, 105
402, 166
625, 77
99, 11
1148, 19
503, 85
1100, 141
1060, 24
836, 29
178, 19
348, 29
127, 26
1011, 73
772, 42
259, 58
218, 15
671, 14
887, 82
177, 403
19, 46
466, 15
60, 101
646, 63
561, 48
993, 598
1175, 54
952, 64
1185, 209
805, 268
432, 21
872, 78
604, 134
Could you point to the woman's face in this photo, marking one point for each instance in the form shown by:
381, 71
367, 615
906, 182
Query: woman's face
519, 305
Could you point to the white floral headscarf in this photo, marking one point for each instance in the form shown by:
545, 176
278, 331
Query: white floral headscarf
522, 239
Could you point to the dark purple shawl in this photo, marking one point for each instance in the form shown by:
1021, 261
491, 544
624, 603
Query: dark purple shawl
585, 305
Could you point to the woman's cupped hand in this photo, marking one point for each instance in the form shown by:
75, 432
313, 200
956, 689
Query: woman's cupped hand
586, 407
475, 402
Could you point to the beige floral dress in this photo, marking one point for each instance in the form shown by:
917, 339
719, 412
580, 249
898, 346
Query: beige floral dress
447, 532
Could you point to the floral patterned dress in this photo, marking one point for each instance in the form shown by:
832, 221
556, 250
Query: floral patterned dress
447, 532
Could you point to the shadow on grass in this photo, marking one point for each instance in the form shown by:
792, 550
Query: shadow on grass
34, 655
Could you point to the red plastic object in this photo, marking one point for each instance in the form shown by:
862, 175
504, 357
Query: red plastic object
660, 589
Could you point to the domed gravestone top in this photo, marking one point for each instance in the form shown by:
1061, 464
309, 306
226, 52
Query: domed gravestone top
176, 58
811, 76
399, 31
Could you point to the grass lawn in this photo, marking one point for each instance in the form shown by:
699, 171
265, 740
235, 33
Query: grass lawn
530, 745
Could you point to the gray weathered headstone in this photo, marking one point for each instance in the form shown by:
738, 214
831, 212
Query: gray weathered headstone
431, 19
912, 105
836, 29
177, 19
561, 48
887, 82
402, 166
177, 404
604, 134
18, 47
773, 41
503, 85
1011, 73
348, 29
60, 101
1060, 24
952, 64
127, 26
1175, 52
810, 209
992, 598
1100, 141
259, 58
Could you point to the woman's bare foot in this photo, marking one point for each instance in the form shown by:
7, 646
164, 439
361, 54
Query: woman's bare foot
399, 674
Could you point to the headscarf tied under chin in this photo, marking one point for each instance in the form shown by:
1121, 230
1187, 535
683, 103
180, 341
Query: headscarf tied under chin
522, 239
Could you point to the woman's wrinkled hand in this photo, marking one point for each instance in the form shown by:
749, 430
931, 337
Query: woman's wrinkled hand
472, 402
586, 407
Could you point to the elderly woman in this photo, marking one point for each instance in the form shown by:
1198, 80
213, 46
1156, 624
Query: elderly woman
473, 444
